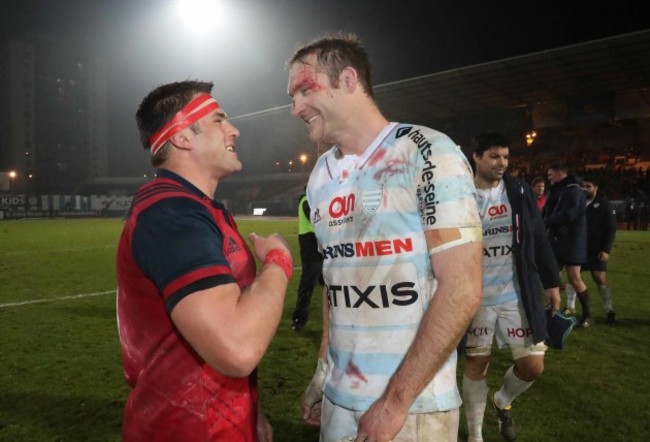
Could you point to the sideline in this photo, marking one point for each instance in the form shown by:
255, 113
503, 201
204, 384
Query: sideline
63, 298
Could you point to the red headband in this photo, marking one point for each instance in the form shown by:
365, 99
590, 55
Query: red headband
199, 107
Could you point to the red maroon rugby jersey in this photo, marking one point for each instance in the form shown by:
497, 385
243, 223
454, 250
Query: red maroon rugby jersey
177, 241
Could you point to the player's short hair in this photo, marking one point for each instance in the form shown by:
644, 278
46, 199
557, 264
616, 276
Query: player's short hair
487, 140
335, 52
592, 179
160, 106
561, 166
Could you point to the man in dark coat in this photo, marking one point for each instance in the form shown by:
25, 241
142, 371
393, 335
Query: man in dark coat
517, 262
601, 230
564, 216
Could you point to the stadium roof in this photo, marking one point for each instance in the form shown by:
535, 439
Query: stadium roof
613, 65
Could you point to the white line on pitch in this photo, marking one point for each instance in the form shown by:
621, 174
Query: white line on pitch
68, 249
62, 298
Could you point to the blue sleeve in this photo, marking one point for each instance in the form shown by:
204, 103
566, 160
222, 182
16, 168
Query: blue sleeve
174, 237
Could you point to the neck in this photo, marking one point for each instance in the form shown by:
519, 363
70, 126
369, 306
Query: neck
361, 130
205, 183
482, 183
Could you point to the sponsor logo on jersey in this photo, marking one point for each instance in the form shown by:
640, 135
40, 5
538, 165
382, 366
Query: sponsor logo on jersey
426, 192
403, 131
496, 230
519, 332
497, 211
342, 205
339, 209
315, 219
232, 247
374, 296
478, 331
427, 199
491, 252
368, 248
371, 199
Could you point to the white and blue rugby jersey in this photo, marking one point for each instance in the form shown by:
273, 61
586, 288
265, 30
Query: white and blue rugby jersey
499, 282
370, 213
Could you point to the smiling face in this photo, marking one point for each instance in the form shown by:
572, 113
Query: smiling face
215, 143
491, 165
313, 99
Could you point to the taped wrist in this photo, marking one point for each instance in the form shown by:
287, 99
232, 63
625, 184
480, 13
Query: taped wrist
281, 258
314, 391
467, 235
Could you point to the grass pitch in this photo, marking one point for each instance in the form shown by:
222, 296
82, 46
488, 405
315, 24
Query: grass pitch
60, 363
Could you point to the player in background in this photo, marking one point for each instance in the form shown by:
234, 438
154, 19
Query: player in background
564, 217
517, 257
601, 231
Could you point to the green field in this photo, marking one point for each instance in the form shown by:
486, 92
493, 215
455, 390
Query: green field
60, 364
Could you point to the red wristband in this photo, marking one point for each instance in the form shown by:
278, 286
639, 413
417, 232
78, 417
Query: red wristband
279, 257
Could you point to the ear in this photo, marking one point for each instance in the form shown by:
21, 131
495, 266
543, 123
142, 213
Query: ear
349, 79
182, 139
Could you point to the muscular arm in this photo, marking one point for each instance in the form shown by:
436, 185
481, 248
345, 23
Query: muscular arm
458, 296
231, 329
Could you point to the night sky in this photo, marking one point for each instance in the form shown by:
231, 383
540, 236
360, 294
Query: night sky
245, 51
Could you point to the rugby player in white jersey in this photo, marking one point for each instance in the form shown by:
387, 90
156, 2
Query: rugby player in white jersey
516, 254
393, 208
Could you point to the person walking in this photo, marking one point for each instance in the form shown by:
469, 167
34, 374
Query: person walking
393, 209
518, 263
565, 219
601, 231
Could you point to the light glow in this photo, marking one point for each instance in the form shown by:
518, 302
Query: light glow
201, 17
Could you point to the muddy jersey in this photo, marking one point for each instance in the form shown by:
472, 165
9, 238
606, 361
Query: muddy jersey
499, 282
370, 213
177, 241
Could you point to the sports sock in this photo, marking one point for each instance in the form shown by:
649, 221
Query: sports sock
606, 297
511, 387
584, 302
570, 297
474, 399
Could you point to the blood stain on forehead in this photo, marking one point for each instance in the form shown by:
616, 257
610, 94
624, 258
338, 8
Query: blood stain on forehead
303, 78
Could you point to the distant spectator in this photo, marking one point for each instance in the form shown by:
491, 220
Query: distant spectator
632, 214
644, 214
539, 186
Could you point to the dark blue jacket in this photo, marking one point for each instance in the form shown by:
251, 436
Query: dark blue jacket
601, 225
534, 259
564, 216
